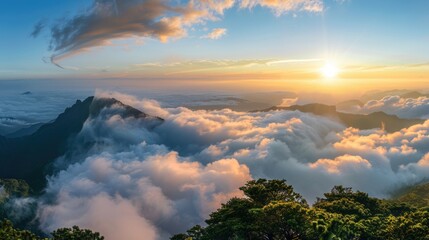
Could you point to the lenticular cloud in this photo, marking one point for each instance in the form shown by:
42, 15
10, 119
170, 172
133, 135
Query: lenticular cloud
157, 181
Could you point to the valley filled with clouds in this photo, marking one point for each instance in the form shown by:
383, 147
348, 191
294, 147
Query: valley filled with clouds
163, 176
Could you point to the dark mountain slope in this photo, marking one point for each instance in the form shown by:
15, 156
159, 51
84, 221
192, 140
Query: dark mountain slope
391, 123
27, 157
25, 131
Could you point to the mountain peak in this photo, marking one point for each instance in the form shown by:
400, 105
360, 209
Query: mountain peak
52, 140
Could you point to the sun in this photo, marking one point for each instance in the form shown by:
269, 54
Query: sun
329, 70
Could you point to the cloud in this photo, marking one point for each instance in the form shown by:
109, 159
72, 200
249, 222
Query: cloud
402, 107
280, 7
215, 33
19, 209
147, 195
341, 1
107, 20
38, 27
287, 102
99, 213
23, 110
341, 164
131, 181
169, 177
204, 65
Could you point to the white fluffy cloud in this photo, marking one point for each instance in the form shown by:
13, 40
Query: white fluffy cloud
171, 176
142, 195
144, 189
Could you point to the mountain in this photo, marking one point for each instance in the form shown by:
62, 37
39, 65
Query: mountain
349, 105
413, 94
10, 124
417, 195
29, 157
25, 131
233, 103
390, 123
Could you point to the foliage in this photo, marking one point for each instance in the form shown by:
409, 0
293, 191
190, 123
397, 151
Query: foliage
75, 233
417, 195
271, 210
15, 193
262, 191
9, 232
14, 187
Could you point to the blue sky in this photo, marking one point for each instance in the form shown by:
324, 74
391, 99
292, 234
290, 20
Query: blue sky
351, 32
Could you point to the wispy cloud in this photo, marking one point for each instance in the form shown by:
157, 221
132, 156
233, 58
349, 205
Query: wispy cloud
225, 64
216, 33
38, 27
107, 20
283, 61
281, 7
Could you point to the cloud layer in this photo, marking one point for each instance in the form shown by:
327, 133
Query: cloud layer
19, 110
400, 106
131, 182
163, 180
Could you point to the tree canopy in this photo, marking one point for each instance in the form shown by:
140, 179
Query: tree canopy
9, 232
272, 210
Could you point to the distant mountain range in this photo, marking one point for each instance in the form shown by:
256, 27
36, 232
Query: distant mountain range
390, 123
29, 157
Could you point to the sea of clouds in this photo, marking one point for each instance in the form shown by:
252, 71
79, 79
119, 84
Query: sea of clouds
154, 181
23, 109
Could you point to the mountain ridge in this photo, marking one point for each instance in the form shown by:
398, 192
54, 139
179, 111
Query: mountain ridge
390, 123
51, 140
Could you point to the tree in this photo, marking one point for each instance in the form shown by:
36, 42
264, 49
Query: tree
15, 187
181, 236
8, 232
412, 225
262, 191
345, 201
75, 233
271, 210
232, 220
283, 220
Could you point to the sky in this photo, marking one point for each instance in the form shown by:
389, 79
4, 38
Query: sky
217, 44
